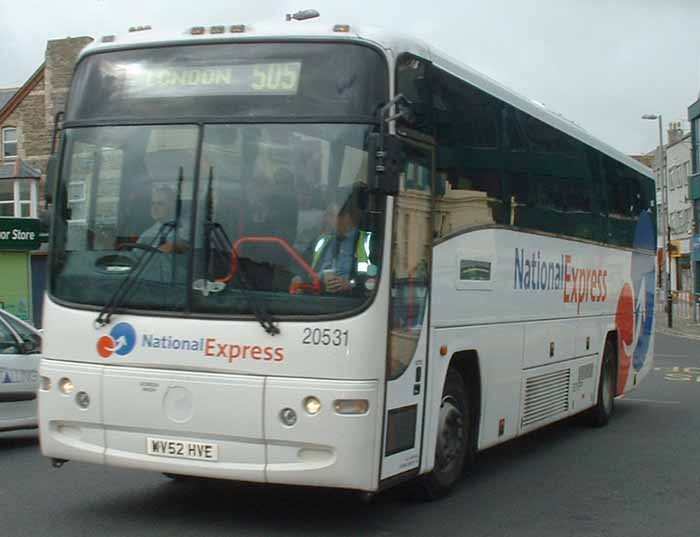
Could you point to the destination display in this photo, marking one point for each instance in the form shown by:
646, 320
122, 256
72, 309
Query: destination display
230, 80
212, 80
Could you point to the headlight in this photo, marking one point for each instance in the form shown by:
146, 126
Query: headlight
66, 386
312, 405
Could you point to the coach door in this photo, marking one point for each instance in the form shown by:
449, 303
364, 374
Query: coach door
408, 314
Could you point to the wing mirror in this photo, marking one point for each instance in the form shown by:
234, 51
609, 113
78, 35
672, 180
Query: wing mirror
29, 346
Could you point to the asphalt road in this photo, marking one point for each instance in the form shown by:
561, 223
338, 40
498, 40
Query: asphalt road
640, 476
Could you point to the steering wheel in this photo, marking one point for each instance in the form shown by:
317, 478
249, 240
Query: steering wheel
313, 287
139, 246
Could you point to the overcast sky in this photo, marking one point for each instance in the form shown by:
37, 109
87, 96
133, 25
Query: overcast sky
601, 63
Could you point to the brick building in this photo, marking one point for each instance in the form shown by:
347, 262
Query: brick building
26, 126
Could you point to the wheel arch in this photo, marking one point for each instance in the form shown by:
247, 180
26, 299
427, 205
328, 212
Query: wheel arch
466, 362
613, 337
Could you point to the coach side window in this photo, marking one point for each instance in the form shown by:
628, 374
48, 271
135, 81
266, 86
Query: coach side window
551, 183
468, 125
413, 82
625, 202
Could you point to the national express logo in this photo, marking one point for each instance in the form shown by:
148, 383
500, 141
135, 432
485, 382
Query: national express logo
578, 284
120, 341
634, 317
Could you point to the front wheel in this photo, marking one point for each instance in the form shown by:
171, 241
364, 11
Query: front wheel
600, 414
454, 446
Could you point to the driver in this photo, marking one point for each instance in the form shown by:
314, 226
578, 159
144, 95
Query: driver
162, 211
343, 254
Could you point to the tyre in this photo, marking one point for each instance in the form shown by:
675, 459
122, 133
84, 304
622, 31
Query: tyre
454, 448
177, 477
605, 406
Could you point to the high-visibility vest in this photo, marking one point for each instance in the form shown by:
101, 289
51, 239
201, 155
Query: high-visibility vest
362, 261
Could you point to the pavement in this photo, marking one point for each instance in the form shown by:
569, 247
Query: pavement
681, 327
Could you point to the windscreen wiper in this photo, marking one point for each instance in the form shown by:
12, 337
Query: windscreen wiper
215, 235
120, 293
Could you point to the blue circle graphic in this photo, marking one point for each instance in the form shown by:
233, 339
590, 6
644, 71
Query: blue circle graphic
124, 337
643, 267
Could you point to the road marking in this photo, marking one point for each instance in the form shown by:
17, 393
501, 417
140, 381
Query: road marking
652, 401
680, 374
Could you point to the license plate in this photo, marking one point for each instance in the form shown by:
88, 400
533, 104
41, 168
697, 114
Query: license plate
182, 449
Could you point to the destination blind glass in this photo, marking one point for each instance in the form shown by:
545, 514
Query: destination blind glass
193, 81
230, 80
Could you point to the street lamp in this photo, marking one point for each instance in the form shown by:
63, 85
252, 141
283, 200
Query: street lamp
667, 227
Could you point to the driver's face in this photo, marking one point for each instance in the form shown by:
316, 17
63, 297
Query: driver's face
159, 208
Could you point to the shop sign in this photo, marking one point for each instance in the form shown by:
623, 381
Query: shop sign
19, 234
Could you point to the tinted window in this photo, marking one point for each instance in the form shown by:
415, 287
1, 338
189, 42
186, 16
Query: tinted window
552, 181
413, 82
282, 213
629, 194
499, 165
469, 156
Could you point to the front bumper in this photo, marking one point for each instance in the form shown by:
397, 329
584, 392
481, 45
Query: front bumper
238, 413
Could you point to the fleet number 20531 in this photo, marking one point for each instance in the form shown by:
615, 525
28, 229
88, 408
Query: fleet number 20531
326, 337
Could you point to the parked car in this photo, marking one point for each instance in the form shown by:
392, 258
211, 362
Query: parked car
20, 348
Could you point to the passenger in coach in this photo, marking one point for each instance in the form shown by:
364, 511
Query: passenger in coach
162, 211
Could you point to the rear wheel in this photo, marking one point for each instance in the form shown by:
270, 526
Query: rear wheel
600, 414
177, 477
454, 446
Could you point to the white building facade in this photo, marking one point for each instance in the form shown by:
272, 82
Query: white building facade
680, 221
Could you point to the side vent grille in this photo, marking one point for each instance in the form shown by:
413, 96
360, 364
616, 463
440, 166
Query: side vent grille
545, 396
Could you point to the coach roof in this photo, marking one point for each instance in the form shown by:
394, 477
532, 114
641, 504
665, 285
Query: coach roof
393, 43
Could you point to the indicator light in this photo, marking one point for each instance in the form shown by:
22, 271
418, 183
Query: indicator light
351, 406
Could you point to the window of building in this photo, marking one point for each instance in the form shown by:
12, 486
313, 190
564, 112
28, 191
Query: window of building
9, 143
18, 198
696, 145
7, 199
673, 177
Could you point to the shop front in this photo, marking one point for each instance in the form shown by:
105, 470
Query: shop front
18, 238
